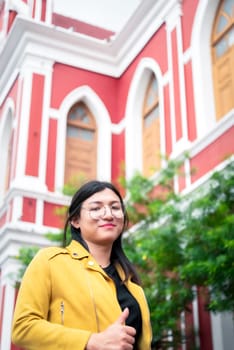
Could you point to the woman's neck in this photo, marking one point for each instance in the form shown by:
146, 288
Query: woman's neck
100, 253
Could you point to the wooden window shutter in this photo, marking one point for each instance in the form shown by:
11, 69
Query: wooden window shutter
151, 128
81, 145
223, 58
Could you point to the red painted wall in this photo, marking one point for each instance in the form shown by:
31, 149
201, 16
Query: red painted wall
66, 79
191, 118
29, 210
176, 86
34, 132
167, 121
189, 8
11, 18
156, 48
50, 164
205, 335
213, 154
113, 92
3, 219
43, 10
189, 328
51, 217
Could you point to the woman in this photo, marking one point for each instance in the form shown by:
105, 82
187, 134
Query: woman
85, 296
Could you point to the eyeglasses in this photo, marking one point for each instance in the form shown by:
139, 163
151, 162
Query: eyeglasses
98, 212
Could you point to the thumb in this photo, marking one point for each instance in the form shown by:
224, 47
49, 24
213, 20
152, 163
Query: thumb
122, 318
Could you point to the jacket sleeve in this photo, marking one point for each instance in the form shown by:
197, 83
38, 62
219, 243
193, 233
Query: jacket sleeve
30, 328
146, 337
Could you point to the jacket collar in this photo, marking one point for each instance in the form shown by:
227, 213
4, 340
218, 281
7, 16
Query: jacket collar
76, 250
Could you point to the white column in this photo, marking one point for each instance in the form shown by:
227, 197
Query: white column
222, 331
9, 269
196, 318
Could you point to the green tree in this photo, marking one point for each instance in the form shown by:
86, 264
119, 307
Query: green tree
180, 242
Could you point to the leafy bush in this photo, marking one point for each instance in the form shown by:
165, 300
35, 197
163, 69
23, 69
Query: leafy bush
182, 242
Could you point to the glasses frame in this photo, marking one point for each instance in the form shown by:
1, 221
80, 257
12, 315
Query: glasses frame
92, 210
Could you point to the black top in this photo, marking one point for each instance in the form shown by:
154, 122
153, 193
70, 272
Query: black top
126, 299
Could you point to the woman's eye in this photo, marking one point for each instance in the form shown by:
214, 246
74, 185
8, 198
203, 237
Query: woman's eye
115, 207
95, 209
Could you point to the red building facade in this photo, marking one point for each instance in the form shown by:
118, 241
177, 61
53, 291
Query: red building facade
66, 85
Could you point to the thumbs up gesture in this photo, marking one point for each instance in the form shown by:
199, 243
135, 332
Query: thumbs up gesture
116, 337
123, 317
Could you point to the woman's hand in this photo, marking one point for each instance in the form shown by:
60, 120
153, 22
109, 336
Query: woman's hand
116, 337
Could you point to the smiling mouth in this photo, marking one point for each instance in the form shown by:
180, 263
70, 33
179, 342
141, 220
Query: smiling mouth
108, 225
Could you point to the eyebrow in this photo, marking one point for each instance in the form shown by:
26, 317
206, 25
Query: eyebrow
101, 202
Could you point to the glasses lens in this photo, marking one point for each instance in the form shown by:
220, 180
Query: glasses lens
97, 213
117, 212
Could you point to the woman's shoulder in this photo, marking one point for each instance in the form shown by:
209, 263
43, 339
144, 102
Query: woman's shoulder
50, 252
42, 259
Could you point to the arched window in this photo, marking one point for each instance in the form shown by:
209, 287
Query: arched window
6, 142
8, 163
151, 128
81, 144
223, 58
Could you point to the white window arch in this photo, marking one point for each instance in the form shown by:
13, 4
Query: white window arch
135, 101
202, 66
102, 119
6, 135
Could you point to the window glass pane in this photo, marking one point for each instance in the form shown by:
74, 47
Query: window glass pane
222, 23
79, 113
228, 5
74, 114
80, 133
221, 47
82, 114
72, 131
231, 38
84, 119
153, 115
152, 95
84, 134
150, 100
155, 86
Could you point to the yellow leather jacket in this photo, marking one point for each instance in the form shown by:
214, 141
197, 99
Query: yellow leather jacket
64, 297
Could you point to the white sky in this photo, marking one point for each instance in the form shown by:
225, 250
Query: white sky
108, 14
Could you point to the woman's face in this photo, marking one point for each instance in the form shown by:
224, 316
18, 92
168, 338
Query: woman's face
101, 218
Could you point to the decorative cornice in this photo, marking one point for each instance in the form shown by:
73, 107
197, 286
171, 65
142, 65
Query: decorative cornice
109, 57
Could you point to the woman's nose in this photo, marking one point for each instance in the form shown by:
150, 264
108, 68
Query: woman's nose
108, 212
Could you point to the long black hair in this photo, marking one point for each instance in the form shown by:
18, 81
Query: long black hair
117, 254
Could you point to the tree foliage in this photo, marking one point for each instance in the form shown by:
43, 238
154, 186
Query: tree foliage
182, 241
25, 256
